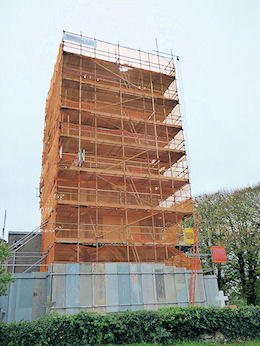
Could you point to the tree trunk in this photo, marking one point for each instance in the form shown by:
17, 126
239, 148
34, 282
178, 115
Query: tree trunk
242, 273
250, 293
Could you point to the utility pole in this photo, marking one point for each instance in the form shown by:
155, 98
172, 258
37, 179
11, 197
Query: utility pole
3, 235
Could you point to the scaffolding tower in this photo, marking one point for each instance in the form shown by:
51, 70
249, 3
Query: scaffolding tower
114, 185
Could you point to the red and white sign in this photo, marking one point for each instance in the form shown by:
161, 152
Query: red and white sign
219, 254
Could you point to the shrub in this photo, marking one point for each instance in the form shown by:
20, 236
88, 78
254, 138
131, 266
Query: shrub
163, 326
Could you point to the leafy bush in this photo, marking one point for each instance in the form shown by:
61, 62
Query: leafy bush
5, 277
163, 326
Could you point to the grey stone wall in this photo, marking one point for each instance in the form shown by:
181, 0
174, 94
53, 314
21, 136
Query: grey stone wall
114, 287
103, 287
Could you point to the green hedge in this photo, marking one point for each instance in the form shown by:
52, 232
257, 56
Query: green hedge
163, 326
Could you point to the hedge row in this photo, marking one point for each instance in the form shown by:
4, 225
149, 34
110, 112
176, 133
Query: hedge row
163, 326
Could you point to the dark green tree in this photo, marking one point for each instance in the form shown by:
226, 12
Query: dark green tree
5, 277
232, 219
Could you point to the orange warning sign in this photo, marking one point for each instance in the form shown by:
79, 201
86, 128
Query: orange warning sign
219, 254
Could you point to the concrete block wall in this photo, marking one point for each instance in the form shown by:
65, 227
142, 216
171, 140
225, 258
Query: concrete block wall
28, 254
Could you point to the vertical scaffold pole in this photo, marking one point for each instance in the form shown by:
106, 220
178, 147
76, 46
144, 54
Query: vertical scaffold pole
193, 255
79, 143
196, 260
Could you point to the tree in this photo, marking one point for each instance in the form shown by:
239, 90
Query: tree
5, 277
232, 219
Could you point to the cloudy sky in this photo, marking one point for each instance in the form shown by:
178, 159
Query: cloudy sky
218, 42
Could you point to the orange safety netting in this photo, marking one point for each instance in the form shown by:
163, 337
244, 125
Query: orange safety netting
114, 168
69, 253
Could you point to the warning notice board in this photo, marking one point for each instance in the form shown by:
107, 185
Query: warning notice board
219, 254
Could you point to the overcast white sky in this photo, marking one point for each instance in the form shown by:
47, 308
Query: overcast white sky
219, 45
